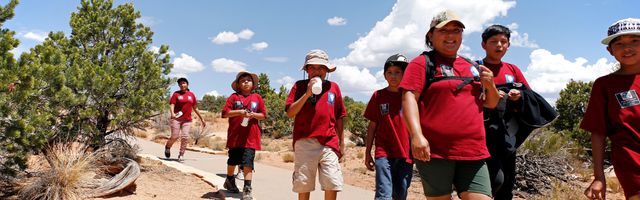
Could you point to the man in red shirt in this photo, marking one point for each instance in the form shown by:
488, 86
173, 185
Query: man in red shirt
181, 103
317, 128
244, 108
393, 164
445, 120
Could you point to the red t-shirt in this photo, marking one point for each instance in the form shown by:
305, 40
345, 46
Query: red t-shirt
506, 73
392, 137
451, 120
614, 110
185, 102
317, 120
239, 136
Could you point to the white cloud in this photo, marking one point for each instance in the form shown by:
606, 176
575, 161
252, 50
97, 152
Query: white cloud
212, 93
227, 66
225, 37
147, 21
549, 73
156, 49
277, 59
230, 37
178, 75
287, 81
245, 34
258, 46
36, 36
402, 31
520, 40
186, 64
337, 21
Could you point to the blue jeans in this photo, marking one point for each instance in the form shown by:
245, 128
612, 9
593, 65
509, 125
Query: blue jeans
393, 177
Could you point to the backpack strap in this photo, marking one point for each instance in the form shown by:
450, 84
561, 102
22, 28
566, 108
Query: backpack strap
431, 71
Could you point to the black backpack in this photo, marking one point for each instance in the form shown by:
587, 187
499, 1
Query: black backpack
431, 72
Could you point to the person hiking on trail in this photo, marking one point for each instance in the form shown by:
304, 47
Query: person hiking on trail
614, 112
520, 110
181, 103
318, 141
393, 164
244, 108
443, 99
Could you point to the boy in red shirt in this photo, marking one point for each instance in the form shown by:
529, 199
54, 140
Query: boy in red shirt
614, 112
317, 128
181, 103
393, 164
243, 108
502, 163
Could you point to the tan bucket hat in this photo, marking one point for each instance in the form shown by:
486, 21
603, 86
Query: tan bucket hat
254, 77
318, 57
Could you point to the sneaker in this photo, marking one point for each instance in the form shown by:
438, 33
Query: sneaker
240, 176
180, 158
230, 185
246, 193
167, 152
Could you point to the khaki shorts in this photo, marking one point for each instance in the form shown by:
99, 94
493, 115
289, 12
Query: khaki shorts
311, 157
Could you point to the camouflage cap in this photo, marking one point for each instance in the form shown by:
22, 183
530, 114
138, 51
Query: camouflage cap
443, 18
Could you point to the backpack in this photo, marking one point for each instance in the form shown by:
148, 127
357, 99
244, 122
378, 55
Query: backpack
431, 72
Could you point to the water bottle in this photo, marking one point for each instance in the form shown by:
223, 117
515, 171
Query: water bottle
316, 88
245, 121
178, 114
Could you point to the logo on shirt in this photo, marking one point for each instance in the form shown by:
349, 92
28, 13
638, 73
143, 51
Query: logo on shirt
627, 98
447, 71
509, 78
189, 98
474, 70
180, 97
331, 98
254, 106
384, 108
237, 105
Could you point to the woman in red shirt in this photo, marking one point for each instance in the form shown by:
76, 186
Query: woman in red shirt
181, 103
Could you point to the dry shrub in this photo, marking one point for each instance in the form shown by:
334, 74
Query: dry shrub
140, 134
287, 157
69, 166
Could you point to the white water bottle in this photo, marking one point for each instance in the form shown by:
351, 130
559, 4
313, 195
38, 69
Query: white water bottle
316, 88
245, 122
178, 114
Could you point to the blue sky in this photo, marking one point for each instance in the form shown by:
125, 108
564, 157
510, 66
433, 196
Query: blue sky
554, 41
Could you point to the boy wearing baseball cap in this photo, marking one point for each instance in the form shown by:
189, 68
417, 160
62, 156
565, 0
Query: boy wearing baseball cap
614, 112
244, 108
393, 164
317, 128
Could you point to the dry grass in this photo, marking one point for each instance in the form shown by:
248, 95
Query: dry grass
140, 134
562, 190
288, 157
69, 166
614, 185
360, 155
215, 143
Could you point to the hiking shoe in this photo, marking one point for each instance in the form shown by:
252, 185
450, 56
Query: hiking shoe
167, 152
246, 193
180, 158
240, 176
230, 185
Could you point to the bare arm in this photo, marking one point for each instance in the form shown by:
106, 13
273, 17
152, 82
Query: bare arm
371, 134
234, 113
598, 188
339, 132
419, 144
258, 116
199, 116
298, 104
491, 92
173, 114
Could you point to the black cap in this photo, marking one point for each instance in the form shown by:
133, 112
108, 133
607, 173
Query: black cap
182, 79
396, 60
